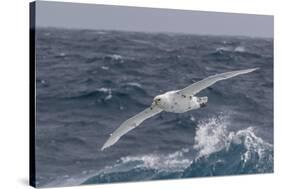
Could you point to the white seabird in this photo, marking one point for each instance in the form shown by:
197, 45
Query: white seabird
178, 101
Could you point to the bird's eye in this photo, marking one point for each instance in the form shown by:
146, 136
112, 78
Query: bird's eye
158, 99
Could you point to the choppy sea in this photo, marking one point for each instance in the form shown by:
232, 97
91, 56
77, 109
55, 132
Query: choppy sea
89, 81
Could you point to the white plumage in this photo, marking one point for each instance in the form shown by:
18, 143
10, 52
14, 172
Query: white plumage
178, 101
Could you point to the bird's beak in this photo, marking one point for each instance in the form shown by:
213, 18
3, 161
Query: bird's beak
153, 104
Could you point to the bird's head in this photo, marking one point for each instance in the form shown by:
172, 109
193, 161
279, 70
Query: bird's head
158, 101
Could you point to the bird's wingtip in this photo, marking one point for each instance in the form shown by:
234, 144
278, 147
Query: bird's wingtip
251, 69
104, 146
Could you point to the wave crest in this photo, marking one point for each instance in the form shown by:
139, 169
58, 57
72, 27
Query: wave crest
211, 136
219, 152
175, 161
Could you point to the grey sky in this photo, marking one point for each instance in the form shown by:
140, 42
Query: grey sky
92, 16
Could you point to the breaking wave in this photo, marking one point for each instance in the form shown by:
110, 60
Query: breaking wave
219, 152
240, 49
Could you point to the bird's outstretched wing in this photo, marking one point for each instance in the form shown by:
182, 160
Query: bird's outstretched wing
200, 85
130, 124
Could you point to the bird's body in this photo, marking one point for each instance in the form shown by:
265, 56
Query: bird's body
178, 101
174, 101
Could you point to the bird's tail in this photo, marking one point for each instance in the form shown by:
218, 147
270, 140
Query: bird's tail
203, 101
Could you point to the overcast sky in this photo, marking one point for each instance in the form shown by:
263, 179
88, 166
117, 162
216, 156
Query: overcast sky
90, 16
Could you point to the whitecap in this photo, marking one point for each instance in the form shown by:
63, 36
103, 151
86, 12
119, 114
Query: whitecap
231, 49
43, 82
212, 136
114, 57
109, 96
62, 54
254, 145
101, 32
239, 49
106, 90
192, 118
134, 84
174, 161
105, 67
141, 41
221, 49
103, 89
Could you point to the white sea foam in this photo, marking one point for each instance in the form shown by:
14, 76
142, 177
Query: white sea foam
105, 67
239, 49
212, 136
173, 161
192, 118
115, 56
101, 32
106, 90
103, 89
231, 49
109, 96
62, 54
135, 84
220, 49
254, 145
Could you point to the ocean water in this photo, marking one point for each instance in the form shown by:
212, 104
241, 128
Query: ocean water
88, 82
